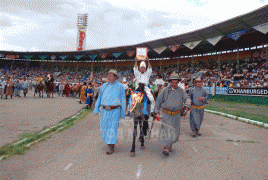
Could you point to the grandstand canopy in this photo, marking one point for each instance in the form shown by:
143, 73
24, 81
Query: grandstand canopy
246, 22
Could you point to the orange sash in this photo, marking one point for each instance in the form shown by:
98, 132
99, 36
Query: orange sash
197, 107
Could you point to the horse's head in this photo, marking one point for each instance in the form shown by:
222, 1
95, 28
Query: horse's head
141, 87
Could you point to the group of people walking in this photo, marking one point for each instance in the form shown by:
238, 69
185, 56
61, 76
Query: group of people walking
173, 100
10, 88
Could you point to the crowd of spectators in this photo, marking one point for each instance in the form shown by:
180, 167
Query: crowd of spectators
246, 74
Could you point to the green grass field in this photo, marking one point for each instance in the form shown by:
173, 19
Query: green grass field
245, 110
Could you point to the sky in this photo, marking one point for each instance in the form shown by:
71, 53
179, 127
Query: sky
50, 25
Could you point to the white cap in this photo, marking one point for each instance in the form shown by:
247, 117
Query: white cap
142, 64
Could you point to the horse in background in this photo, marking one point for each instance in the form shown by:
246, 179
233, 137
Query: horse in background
49, 88
39, 88
138, 104
74, 90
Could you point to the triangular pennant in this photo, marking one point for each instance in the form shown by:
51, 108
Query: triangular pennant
93, 56
192, 45
63, 57
117, 54
43, 57
28, 56
174, 48
262, 28
130, 53
104, 55
53, 57
160, 49
214, 40
236, 35
78, 56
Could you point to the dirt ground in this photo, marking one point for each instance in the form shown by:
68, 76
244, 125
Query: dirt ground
227, 149
20, 115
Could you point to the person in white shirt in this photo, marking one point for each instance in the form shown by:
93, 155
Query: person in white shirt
142, 76
159, 80
182, 84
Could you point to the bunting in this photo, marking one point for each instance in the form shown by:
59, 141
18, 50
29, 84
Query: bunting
117, 54
78, 56
236, 35
160, 49
43, 57
192, 45
53, 57
28, 56
130, 53
214, 40
262, 28
104, 55
174, 48
93, 56
63, 57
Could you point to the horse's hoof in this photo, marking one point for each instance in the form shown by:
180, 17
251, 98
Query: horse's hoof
142, 147
132, 154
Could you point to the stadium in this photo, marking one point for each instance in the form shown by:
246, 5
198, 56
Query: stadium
231, 57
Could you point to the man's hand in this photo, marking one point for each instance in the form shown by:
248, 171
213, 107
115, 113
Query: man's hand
201, 98
186, 110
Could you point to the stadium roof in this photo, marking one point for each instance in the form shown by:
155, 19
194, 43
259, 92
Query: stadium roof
242, 22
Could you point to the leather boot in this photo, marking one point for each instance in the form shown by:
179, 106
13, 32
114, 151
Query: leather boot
111, 149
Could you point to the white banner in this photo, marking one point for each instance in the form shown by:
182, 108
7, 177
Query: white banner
192, 45
159, 50
214, 40
262, 28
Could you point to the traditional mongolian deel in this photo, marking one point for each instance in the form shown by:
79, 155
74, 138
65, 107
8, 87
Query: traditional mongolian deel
197, 111
111, 95
171, 100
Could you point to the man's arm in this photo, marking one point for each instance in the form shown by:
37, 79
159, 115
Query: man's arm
147, 59
136, 62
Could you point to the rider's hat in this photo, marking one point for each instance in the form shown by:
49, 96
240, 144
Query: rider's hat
113, 71
174, 76
143, 64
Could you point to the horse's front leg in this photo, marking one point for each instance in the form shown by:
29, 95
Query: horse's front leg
132, 152
141, 134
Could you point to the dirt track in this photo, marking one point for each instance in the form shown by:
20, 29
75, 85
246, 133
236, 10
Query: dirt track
79, 153
20, 114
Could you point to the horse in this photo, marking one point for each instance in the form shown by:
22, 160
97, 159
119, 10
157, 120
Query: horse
75, 90
50, 88
38, 89
138, 116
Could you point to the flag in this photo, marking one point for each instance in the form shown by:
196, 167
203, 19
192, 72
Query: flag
117, 54
53, 57
104, 55
63, 57
159, 50
236, 35
192, 45
93, 56
43, 57
78, 56
174, 48
28, 56
214, 40
262, 28
130, 53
